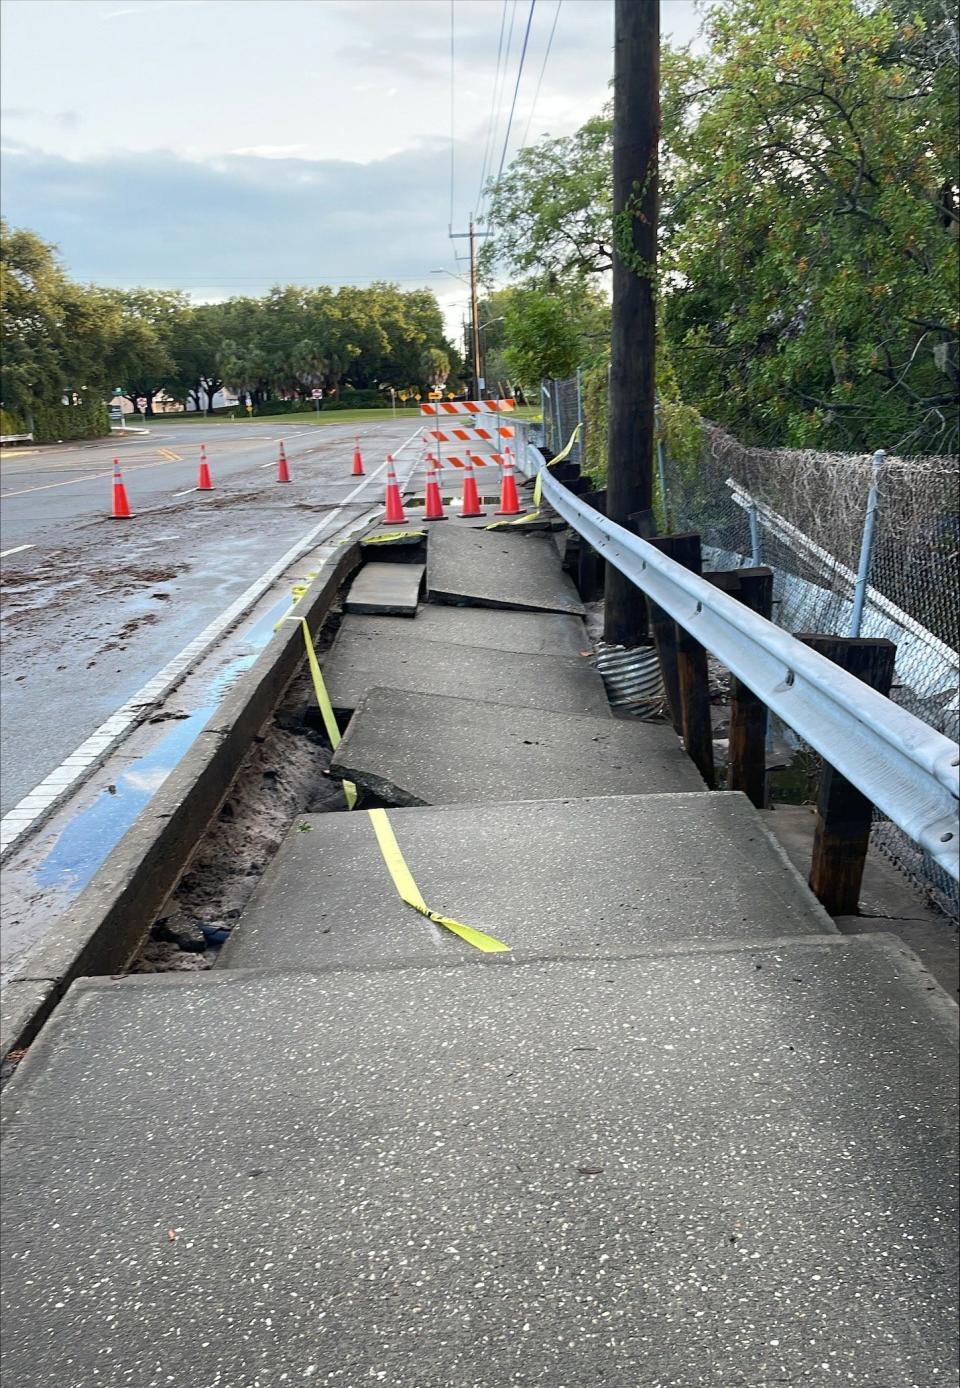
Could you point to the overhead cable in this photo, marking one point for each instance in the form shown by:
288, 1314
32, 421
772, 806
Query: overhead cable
543, 68
495, 112
452, 161
513, 104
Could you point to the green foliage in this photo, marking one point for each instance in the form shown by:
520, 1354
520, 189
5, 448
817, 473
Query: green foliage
550, 330
62, 339
550, 212
809, 221
814, 251
57, 423
11, 423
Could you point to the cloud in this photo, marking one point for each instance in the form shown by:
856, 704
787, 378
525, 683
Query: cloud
69, 120
241, 223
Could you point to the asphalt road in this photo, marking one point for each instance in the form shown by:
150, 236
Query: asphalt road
94, 607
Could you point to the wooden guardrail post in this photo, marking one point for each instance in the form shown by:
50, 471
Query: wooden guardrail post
591, 569
691, 665
843, 812
747, 765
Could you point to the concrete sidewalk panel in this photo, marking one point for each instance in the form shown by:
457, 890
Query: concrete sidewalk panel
357, 662
536, 633
494, 569
714, 1167
589, 876
385, 589
410, 751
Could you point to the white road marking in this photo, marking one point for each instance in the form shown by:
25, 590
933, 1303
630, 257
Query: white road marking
186, 493
16, 550
54, 788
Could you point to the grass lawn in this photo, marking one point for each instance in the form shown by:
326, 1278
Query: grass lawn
314, 418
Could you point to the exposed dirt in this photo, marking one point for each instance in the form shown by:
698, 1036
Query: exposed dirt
284, 776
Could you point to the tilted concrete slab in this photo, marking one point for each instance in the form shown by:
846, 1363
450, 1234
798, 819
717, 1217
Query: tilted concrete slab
386, 589
716, 1167
537, 633
407, 750
498, 569
357, 662
591, 876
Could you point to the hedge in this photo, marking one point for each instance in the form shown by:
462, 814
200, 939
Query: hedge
57, 423
11, 423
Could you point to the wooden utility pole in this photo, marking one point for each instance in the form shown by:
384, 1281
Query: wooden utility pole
636, 135
471, 235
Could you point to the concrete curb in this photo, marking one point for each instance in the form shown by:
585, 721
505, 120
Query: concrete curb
103, 929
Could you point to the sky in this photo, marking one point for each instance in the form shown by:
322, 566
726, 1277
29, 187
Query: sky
222, 146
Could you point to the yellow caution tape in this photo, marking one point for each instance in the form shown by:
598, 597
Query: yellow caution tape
394, 535
323, 702
518, 520
564, 451
538, 489
387, 840
410, 892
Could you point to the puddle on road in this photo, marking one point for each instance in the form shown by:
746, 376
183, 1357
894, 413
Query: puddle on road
85, 842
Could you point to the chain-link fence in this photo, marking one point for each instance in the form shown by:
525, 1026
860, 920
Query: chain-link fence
562, 405
802, 513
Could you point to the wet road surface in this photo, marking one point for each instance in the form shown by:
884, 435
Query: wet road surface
94, 607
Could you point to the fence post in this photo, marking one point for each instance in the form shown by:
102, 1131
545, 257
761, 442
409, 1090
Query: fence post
661, 464
843, 812
754, 535
581, 451
866, 545
692, 679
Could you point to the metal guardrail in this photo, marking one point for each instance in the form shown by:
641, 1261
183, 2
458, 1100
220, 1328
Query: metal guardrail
908, 770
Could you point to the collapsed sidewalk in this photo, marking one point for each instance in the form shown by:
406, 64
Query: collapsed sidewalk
679, 1131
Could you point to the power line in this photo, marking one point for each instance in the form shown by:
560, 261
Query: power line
493, 106
450, 224
543, 68
513, 104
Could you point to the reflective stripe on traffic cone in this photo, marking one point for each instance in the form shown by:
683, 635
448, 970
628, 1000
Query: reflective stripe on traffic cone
471, 500
433, 509
283, 472
121, 506
357, 462
509, 500
203, 481
393, 505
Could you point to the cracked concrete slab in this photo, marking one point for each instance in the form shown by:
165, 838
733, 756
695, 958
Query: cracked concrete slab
385, 589
498, 569
536, 633
407, 750
358, 661
547, 877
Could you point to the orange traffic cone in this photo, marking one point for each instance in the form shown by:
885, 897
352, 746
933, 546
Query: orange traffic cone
393, 505
509, 501
203, 481
357, 462
433, 508
470, 505
121, 506
283, 472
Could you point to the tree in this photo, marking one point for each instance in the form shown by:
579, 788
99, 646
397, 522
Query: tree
57, 335
550, 213
195, 347
550, 330
815, 255
809, 188
141, 359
